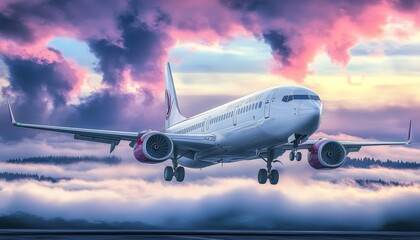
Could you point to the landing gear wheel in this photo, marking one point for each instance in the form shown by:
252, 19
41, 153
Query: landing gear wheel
292, 155
274, 177
168, 173
180, 174
262, 176
298, 156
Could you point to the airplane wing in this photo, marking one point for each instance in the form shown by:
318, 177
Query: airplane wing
350, 146
194, 142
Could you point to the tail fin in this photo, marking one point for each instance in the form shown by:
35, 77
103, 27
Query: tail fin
173, 115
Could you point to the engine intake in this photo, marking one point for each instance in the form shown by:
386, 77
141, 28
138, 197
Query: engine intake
327, 154
153, 147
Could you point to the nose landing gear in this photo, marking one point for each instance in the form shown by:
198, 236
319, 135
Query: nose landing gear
269, 174
294, 154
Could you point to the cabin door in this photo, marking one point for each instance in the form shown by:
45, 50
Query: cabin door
267, 105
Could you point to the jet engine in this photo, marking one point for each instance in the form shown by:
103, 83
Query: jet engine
327, 154
153, 147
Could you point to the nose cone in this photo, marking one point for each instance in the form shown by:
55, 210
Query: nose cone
310, 114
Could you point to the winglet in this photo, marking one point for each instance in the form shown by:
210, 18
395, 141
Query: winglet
11, 114
410, 132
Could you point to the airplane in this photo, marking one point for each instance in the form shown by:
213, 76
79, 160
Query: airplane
263, 125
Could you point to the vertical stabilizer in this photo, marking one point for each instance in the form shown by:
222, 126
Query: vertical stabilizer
172, 113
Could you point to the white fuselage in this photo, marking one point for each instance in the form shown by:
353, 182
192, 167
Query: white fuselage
252, 124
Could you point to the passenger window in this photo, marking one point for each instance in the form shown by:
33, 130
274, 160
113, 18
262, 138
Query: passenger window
259, 105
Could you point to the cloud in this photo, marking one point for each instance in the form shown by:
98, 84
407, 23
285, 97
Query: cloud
43, 82
141, 50
131, 40
13, 28
278, 44
310, 27
310, 201
379, 123
41, 88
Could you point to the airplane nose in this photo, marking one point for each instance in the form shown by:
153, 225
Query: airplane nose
310, 111
310, 116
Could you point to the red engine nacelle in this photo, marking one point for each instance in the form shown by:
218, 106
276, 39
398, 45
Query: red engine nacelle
327, 154
153, 147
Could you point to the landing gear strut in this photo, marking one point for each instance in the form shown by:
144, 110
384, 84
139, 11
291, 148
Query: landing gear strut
268, 174
176, 171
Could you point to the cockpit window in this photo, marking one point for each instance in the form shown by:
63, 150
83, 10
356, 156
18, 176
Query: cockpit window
289, 98
299, 97
315, 97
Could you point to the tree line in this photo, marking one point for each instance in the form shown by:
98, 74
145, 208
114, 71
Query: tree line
8, 176
371, 162
62, 160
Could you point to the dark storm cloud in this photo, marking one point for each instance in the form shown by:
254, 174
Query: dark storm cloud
278, 44
34, 79
291, 9
123, 43
36, 85
406, 5
140, 43
13, 28
103, 109
111, 62
30, 20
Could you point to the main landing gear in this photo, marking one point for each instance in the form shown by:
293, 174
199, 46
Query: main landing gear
176, 171
269, 174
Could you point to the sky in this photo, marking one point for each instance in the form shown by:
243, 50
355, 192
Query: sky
100, 65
